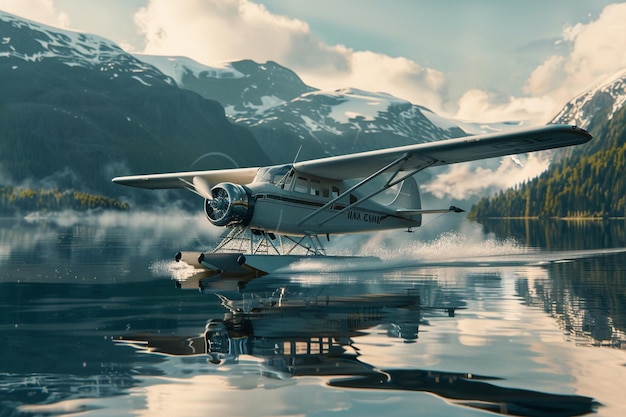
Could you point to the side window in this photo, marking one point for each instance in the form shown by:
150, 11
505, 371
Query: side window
335, 192
316, 187
302, 185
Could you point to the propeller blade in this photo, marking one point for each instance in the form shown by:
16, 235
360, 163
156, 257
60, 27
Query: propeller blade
202, 187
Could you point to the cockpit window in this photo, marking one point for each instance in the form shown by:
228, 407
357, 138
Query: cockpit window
273, 174
285, 177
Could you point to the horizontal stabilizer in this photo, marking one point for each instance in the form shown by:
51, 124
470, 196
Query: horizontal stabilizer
435, 211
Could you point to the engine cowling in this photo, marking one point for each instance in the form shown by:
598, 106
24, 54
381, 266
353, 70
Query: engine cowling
230, 204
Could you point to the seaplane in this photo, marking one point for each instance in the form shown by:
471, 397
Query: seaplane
274, 215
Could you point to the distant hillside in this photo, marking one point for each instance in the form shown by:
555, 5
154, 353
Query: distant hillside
76, 110
288, 117
26, 201
591, 181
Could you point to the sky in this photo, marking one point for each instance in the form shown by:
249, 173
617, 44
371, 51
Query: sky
479, 60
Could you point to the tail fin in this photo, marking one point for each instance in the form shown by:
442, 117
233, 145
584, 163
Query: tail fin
408, 197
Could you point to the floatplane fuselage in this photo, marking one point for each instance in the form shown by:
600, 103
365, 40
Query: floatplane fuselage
284, 201
362, 192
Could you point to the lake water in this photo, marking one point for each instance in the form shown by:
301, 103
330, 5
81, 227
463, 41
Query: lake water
524, 318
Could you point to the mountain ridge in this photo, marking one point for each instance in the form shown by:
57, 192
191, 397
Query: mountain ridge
78, 110
76, 117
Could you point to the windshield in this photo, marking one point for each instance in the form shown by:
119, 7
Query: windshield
274, 174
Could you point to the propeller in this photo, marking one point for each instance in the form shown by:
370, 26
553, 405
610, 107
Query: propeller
217, 199
220, 203
225, 203
202, 187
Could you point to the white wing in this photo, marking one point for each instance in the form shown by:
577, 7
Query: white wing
445, 152
405, 158
189, 179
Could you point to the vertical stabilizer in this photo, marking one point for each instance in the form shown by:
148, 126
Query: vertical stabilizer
408, 197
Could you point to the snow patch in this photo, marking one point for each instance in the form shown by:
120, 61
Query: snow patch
483, 129
581, 109
311, 125
439, 121
355, 115
360, 104
267, 103
177, 66
72, 48
140, 80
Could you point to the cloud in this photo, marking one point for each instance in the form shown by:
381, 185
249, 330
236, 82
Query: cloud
214, 31
42, 11
492, 107
464, 180
595, 51
217, 30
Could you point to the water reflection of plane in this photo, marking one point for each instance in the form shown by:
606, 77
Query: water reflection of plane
315, 337
286, 328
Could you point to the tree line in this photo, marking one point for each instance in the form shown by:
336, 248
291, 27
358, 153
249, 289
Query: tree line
18, 200
588, 183
592, 187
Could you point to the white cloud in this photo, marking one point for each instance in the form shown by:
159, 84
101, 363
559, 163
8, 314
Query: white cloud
464, 180
398, 76
490, 107
42, 11
214, 31
546, 76
596, 51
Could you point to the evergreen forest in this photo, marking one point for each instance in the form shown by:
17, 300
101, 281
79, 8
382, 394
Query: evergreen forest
26, 200
589, 182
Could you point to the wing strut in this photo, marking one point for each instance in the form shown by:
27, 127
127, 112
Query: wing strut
393, 180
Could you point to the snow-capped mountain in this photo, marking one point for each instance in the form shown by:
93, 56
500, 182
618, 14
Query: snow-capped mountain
74, 49
288, 117
77, 110
603, 100
244, 88
347, 121
65, 93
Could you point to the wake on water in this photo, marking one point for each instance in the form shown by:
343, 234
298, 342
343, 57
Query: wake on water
455, 249
450, 249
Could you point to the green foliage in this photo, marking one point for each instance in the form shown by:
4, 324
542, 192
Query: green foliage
19, 200
591, 183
